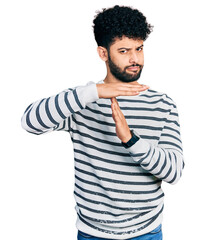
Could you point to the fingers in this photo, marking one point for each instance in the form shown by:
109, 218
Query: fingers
116, 111
132, 86
131, 89
115, 114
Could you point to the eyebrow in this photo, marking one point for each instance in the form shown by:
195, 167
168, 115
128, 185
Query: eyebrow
130, 48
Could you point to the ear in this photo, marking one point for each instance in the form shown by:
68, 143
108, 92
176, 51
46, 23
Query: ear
103, 54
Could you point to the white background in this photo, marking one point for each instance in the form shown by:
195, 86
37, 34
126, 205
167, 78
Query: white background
47, 46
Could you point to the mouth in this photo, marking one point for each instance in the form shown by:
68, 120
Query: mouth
133, 68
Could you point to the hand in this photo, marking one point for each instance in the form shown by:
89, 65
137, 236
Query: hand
122, 129
109, 90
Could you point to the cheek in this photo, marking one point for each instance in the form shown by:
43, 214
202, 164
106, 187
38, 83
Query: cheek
121, 62
141, 59
124, 61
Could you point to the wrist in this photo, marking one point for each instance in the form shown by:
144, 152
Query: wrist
132, 140
125, 140
99, 87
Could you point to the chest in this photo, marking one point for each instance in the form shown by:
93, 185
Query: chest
147, 117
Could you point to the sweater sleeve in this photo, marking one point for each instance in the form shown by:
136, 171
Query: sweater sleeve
165, 161
54, 113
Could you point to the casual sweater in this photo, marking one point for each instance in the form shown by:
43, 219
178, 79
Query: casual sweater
117, 189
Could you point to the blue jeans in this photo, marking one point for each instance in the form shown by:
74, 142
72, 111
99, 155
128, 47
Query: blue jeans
156, 234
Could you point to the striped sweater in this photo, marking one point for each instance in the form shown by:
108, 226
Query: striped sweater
117, 189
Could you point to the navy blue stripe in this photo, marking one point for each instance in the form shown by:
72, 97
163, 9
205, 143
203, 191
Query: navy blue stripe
113, 172
93, 119
39, 117
147, 164
121, 182
108, 205
69, 124
96, 139
147, 118
48, 112
106, 212
93, 129
153, 91
156, 163
172, 121
103, 150
67, 103
171, 136
164, 164
170, 143
151, 96
63, 126
145, 127
122, 191
77, 99
170, 169
143, 158
146, 102
112, 222
101, 159
55, 128
175, 176
126, 108
118, 199
28, 122
172, 129
27, 108
58, 107
36, 133
145, 109
174, 114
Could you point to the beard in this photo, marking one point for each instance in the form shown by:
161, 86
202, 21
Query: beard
122, 75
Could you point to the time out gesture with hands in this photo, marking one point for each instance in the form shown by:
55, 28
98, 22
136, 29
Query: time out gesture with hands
112, 90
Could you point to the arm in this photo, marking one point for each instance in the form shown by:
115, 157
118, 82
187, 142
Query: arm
53, 113
165, 161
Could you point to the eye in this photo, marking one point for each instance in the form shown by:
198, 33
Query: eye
123, 51
139, 49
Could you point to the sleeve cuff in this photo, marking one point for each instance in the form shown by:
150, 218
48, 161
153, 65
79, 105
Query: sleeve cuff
139, 147
88, 93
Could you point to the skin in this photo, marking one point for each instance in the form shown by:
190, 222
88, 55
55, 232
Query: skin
124, 52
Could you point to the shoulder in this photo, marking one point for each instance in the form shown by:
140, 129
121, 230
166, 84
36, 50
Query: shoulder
162, 101
160, 97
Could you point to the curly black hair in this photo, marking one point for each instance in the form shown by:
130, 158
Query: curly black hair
117, 22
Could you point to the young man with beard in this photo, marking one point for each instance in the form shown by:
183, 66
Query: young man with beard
126, 137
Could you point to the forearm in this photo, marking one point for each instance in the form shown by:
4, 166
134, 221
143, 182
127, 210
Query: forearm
165, 164
46, 114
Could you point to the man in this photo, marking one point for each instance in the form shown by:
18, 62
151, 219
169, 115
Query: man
126, 137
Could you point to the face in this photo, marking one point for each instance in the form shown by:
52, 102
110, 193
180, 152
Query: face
126, 59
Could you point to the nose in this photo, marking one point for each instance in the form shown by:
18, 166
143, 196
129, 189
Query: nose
134, 58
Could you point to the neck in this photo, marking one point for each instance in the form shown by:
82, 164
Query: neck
111, 79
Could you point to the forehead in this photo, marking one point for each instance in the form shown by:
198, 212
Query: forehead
126, 42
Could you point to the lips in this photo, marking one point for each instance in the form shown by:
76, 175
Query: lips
136, 68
